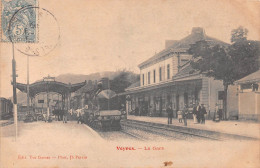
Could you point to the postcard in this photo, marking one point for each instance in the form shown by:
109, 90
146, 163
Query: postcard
129, 83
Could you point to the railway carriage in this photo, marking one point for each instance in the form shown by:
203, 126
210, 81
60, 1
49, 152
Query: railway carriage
6, 108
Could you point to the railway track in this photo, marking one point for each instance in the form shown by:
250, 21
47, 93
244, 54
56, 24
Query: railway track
135, 136
148, 132
167, 132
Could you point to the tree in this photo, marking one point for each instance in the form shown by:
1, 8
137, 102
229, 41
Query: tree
213, 61
239, 34
226, 63
245, 55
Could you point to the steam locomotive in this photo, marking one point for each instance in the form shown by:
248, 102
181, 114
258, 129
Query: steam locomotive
103, 111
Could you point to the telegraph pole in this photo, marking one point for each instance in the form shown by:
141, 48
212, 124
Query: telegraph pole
14, 92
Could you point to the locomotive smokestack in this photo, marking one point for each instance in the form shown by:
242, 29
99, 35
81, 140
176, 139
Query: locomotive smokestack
105, 83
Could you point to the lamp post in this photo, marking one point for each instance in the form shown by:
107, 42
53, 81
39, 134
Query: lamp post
28, 89
14, 92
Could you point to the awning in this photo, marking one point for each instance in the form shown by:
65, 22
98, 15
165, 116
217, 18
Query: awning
178, 84
252, 78
49, 86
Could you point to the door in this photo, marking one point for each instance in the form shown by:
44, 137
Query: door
186, 99
177, 102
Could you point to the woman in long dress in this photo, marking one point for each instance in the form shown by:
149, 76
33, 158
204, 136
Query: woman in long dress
216, 114
194, 114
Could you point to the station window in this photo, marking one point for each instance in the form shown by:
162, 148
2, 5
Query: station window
160, 73
168, 71
154, 76
149, 77
143, 79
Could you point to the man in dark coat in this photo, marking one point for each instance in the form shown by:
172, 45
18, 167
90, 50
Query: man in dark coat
203, 112
185, 114
198, 112
170, 114
65, 116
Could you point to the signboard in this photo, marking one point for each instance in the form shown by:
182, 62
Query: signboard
48, 78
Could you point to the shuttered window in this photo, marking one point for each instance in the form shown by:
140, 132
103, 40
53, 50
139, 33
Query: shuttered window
149, 77
160, 73
154, 76
168, 71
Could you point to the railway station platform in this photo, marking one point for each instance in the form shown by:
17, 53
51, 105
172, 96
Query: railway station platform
5, 122
236, 128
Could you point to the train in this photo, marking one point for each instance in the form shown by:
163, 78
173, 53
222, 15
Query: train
6, 109
103, 111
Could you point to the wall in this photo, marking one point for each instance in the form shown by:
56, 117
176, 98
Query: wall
249, 105
232, 101
43, 96
163, 64
214, 87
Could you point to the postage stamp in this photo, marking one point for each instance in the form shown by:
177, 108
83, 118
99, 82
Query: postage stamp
19, 21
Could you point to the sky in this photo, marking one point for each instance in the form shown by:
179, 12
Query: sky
103, 35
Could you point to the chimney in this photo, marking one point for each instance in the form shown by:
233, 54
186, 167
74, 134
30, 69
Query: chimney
90, 82
198, 30
105, 83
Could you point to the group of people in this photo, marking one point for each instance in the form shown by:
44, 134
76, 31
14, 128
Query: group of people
198, 113
79, 114
183, 114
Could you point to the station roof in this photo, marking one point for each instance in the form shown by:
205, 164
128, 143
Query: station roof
197, 34
49, 86
185, 74
253, 77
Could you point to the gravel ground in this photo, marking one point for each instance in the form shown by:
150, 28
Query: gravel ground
115, 136
75, 145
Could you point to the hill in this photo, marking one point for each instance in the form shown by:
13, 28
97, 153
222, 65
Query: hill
75, 78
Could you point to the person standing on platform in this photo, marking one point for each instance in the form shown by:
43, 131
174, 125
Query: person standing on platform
216, 114
170, 114
150, 111
203, 112
198, 113
185, 114
180, 116
65, 116
78, 115
194, 114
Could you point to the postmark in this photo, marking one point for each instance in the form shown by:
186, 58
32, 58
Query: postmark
34, 31
48, 32
19, 21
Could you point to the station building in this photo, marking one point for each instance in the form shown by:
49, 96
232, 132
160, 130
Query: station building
249, 97
167, 78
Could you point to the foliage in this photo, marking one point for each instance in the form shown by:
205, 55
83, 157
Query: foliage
212, 61
123, 80
227, 64
239, 34
245, 56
